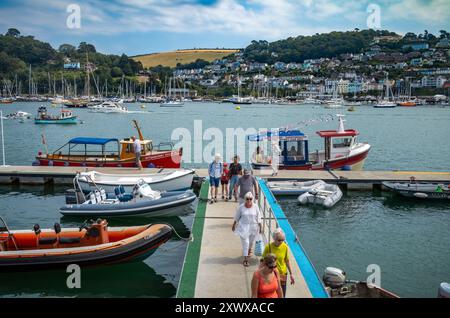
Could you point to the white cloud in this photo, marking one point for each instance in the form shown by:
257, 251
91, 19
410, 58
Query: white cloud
429, 12
258, 19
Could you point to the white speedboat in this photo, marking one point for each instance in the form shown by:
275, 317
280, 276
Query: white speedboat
175, 180
108, 107
325, 194
171, 103
385, 104
18, 115
285, 188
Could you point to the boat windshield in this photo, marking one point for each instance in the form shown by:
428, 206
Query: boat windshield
342, 142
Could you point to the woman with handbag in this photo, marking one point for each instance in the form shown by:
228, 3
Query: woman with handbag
247, 224
266, 280
280, 249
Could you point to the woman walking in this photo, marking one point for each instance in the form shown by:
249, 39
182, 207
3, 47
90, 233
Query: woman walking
247, 224
279, 248
266, 281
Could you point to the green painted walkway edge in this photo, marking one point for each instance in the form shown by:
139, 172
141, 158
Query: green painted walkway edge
186, 286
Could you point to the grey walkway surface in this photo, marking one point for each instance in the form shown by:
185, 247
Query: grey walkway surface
220, 272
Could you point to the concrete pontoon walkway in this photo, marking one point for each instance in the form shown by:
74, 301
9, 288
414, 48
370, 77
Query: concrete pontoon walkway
219, 272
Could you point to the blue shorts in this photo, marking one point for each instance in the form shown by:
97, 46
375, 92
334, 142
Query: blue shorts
214, 181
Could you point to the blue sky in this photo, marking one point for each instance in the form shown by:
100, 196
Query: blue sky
144, 26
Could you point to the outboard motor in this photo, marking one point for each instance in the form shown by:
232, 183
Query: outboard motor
334, 277
444, 290
72, 195
145, 191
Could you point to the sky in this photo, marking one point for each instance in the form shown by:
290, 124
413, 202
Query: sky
145, 26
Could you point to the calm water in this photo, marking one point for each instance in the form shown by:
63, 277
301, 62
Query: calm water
157, 276
409, 240
402, 138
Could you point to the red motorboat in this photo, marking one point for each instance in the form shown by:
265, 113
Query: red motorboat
341, 152
110, 152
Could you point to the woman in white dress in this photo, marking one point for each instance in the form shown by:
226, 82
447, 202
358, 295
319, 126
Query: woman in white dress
247, 225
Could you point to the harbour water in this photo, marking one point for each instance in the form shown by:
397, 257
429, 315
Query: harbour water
408, 240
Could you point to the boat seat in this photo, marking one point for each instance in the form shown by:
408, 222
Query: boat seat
47, 240
103, 194
121, 195
69, 240
98, 197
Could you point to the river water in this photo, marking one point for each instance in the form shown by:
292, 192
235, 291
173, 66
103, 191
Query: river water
407, 239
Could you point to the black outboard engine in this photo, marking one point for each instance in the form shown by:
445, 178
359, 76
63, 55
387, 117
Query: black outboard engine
73, 195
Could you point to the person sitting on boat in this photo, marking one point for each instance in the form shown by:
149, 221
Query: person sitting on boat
137, 151
258, 155
215, 171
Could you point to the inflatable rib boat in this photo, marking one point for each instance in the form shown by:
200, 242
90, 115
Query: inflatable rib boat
91, 244
143, 201
326, 195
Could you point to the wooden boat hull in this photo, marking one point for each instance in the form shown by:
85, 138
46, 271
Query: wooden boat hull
134, 248
360, 290
167, 159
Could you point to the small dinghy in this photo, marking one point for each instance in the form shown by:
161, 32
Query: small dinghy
283, 188
175, 180
421, 190
93, 243
339, 287
143, 201
325, 194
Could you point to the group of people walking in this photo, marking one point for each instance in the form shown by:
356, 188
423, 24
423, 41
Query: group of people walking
270, 279
234, 180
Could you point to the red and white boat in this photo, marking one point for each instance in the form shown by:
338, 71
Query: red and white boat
341, 151
80, 152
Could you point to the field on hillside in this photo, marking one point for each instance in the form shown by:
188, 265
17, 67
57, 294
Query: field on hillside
181, 56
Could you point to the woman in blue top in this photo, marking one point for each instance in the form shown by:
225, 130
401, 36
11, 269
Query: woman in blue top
215, 171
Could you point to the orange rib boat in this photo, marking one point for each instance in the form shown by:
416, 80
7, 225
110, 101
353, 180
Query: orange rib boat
91, 244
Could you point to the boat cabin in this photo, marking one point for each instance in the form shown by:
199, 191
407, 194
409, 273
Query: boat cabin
293, 145
338, 143
127, 147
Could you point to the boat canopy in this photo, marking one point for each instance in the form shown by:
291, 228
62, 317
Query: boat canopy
280, 134
335, 133
92, 141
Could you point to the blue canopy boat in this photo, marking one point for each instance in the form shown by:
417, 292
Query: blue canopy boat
341, 150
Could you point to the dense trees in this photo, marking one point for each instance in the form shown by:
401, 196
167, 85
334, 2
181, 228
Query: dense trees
18, 52
298, 49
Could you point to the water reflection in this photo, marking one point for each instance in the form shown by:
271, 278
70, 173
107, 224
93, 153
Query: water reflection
122, 280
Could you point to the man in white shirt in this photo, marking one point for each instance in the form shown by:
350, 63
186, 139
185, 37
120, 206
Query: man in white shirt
137, 151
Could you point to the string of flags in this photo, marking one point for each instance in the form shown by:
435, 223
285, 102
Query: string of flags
309, 122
